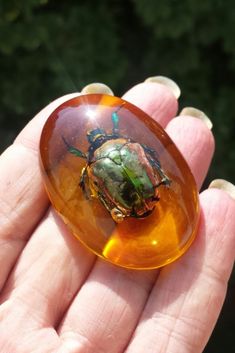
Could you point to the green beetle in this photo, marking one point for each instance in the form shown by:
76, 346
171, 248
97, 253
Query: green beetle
123, 174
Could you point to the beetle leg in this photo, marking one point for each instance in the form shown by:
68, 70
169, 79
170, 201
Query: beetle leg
152, 156
136, 215
151, 153
164, 178
82, 182
115, 120
116, 214
165, 181
104, 202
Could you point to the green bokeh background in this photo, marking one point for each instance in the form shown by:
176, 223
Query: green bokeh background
49, 48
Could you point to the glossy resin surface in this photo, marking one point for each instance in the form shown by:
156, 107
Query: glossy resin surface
119, 182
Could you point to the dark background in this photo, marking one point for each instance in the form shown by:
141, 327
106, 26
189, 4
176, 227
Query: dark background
49, 48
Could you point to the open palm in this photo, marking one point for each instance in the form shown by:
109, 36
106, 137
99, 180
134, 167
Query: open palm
55, 296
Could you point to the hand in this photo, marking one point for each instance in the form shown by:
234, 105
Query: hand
57, 297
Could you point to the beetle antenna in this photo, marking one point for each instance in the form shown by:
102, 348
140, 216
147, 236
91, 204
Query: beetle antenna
115, 120
73, 149
65, 142
120, 107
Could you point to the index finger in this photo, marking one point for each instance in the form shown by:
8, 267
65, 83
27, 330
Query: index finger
186, 300
23, 200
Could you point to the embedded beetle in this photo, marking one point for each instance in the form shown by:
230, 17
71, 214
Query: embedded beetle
123, 174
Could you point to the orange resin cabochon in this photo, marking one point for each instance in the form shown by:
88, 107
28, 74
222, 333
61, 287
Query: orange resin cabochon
136, 243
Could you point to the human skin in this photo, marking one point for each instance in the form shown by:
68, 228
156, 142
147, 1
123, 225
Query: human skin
57, 297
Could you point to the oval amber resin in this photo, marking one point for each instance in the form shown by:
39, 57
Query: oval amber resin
140, 240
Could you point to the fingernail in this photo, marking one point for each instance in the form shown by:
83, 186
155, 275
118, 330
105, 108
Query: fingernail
97, 87
166, 82
196, 113
223, 185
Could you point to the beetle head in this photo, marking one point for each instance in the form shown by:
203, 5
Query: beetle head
95, 134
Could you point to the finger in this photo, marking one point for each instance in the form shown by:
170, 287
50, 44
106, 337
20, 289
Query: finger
196, 143
44, 340
23, 200
186, 301
106, 308
30, 135
157, 100
46, 277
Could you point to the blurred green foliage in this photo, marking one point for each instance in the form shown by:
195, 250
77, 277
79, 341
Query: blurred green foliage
49, 48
